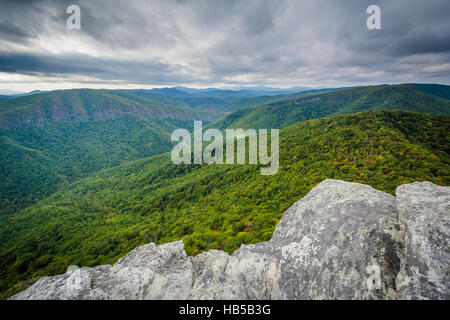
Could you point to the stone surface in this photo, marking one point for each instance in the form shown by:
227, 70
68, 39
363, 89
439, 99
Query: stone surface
341, 241
72, 268
424, 211
330, 238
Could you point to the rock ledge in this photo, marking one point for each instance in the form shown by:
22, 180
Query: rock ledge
341, 241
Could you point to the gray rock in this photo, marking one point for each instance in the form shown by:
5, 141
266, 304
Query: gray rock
249, 273
334, 239
172, 270
72, 268
341, 241
424, 211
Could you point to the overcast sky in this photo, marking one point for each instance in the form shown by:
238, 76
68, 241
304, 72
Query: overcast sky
222, 43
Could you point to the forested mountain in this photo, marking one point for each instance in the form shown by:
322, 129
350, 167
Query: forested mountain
266, 99
102, 217
50, 139
419, 98
53, 138
88, 105
438, 90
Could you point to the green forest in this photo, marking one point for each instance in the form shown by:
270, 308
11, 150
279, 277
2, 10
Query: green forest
36, 161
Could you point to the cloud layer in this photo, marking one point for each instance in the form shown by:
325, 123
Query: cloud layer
221, 43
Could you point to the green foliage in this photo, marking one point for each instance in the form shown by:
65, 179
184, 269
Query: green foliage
100, 218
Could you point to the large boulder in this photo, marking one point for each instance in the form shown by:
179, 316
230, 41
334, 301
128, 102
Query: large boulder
424, 212
341, 241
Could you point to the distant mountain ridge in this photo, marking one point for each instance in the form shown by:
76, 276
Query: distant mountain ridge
18, 94
221, 101
88, 104
420, 98
38, 107
215, 92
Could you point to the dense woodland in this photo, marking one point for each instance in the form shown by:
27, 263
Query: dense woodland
37, 160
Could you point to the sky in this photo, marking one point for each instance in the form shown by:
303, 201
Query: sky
222, 43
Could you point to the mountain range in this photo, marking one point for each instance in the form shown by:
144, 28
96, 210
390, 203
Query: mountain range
52, 138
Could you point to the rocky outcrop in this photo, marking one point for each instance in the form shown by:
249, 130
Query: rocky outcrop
424, 213
341, 241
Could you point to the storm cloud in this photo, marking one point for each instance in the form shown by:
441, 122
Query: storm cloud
224, 43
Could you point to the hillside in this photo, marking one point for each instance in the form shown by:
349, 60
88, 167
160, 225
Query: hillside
88, 105
50, 139
419, 98
98, 219
438, 90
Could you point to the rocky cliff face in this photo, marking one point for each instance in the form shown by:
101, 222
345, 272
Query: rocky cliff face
341, 241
